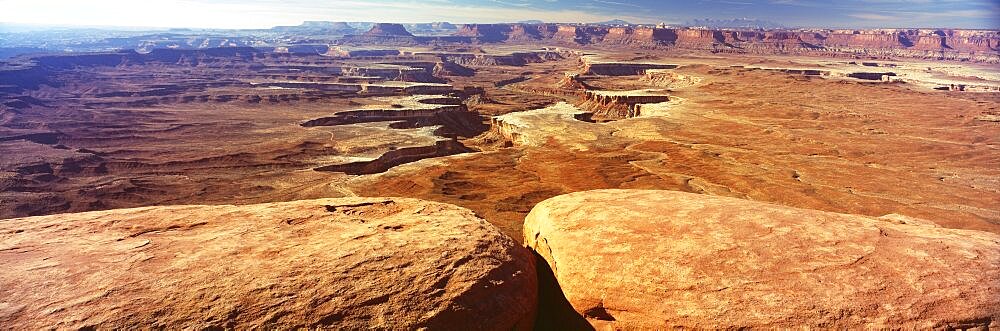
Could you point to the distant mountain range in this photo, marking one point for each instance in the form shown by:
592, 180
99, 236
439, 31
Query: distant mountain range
735, 23
614, 22
433, 28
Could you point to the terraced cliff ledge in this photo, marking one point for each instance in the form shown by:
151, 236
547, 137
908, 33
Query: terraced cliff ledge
612, 105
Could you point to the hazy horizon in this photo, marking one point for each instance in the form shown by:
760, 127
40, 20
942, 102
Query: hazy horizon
262, 14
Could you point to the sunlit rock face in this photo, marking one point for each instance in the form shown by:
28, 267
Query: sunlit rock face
350, 263
645, 259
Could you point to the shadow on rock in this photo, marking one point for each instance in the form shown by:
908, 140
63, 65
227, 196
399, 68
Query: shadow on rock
554, 311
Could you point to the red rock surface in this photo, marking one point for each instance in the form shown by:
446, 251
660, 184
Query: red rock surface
970, 45
388, 30
838, 145
644, 259
351, 263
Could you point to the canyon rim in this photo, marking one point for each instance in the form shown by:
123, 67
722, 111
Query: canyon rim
382, 168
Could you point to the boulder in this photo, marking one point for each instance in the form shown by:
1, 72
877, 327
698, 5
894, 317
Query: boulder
351, 263
637, 259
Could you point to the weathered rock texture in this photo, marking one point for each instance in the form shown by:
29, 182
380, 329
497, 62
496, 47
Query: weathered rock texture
671, 79
621, 68
966, 45
388, 30
612, 105
351, 263
555, 123
510, 59
637, 259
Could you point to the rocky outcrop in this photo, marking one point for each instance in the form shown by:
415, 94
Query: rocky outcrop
367, 88
420, 109
512, 59
601, 68
614, 105
388, 30
699, 38
879, 76
303, 49
969, 88
494, 33
398, 157
422, 72
556, 123
449, 114
969, 45
568, 34
352, 263
572, 81
576, 34
635, 259
390, 88
448, 68
341, 52
486, 32
381, 115
631, 36
391, 34
669, 79
800, 72
433, 28
531, 32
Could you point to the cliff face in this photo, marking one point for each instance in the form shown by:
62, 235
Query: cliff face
486, 32
530, 32
697, 38
622, 69
513, 59
970, 45
565, 33
614, 105
388, 30
630, 36
671, 79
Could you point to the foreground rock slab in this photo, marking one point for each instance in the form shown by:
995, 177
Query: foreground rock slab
351, 263
638, 259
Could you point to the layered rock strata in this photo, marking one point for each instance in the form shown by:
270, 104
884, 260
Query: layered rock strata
621, 68
670, 79
611, 105
387, 30
398, 157
511, 59
950, 44
556, 123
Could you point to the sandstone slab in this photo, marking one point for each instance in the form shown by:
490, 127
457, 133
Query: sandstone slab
638, 259
350, 263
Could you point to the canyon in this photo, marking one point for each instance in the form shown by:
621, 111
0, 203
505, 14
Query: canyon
506, 176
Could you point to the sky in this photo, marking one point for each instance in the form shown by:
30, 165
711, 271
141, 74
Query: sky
982, 14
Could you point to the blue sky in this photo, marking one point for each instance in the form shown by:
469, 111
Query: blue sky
267, 13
